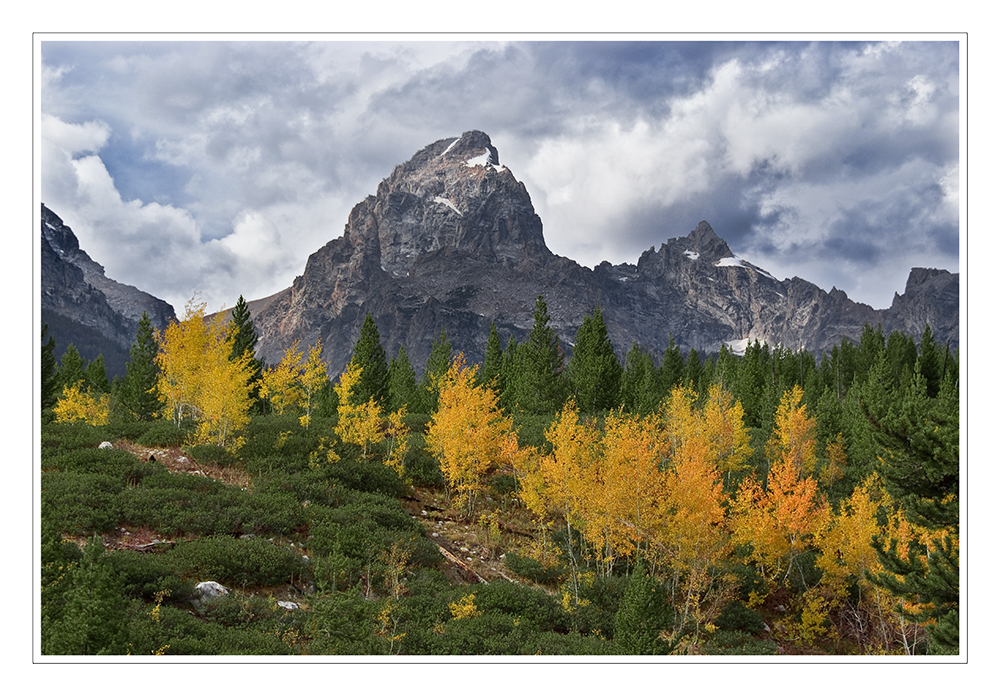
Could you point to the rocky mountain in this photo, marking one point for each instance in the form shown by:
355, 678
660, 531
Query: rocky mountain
450, 241
84, 307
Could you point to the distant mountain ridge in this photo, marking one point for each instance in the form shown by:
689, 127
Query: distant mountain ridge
83, 306
450, 241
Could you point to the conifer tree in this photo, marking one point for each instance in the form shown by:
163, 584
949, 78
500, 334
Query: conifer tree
930, 363
95, 377
510, 370
693, 369
492, 360
641, 616
402, 381
540, 384
137, 395
919, 437
71, 367
245, 343
49, 378
370, 356
639, 389
437, 364
594, 367
671, 371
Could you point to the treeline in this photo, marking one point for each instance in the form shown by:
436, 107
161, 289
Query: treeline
820, 496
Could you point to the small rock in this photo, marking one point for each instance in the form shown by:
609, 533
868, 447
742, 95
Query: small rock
105, 445
288, 606
434, 534
210, 590
182, 460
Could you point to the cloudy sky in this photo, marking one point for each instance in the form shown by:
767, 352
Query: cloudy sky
219, 167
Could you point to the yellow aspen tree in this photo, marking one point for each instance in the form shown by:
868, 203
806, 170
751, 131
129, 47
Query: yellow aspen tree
182, 347
794, 435
364, 425
357, 424
693, 533
198, 380
311, 380
468, 433
727, 436
78, 404
630, 502
280, 383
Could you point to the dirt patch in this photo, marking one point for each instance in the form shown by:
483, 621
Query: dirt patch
179, 462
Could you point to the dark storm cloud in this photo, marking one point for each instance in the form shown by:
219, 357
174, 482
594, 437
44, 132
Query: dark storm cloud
802, 155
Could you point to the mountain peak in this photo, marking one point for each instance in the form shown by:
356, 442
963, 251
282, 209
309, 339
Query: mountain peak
452, 194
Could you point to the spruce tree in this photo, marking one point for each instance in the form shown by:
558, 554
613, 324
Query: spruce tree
70, 367
919, 438
693, 369
95, 377
641, 616
437, 364
370, 356
510, 371
245, 342
492, 360
137, 393
402, 382
671, 372
640, 392
594, 367
49, 378
930, 362
540, 386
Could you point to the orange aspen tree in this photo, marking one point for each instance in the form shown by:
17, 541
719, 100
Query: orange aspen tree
468, 433
727, 436
782, 522
794, 436
78, 404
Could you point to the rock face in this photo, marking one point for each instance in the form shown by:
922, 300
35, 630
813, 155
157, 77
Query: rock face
84, 307
450, 241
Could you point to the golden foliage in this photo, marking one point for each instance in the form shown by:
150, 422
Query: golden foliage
468, 433
363, 424
198, 379
465, 608
78, 404
794, 436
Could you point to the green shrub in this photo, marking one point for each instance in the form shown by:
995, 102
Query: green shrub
735, 616
370, 477
145, 574
423, 469
531, 606
78, 502
212, 454
163, 433
533, 570
63, 437
737, 643
242, 562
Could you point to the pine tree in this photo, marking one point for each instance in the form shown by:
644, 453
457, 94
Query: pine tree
70, 367
245, 343
437, 364
640, 392
594, 367
510, 372
95, 377
49, 377
492, 361
370, 356
919, 437
930, 363
693, 369
402, 381
672, 368
641, 616
137, 395
540, 387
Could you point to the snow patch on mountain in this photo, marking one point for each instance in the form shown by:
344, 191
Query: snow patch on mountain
693, 255
445, 201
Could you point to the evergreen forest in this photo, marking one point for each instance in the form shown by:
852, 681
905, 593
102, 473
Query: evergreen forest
775, 503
